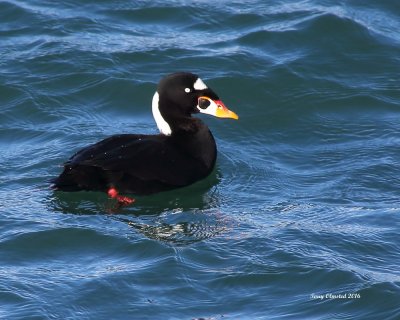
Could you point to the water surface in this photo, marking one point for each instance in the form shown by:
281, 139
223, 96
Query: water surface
300, 218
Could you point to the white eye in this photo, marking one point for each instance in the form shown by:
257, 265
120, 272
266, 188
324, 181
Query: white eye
187, 90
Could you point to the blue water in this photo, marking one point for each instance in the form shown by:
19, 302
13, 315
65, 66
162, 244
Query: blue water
299, 220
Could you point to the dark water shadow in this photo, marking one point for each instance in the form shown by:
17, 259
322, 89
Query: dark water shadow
201, 195
179, 217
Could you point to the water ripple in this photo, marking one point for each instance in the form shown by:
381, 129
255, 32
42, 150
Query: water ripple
304, 199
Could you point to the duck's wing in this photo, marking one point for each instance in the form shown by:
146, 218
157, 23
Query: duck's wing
147, 163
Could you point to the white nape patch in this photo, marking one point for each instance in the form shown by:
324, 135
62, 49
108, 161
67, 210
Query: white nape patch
199, 84
162, 125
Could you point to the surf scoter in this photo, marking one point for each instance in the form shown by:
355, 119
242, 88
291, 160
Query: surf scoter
183, 153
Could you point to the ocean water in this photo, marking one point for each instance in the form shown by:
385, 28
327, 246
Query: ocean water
299, 220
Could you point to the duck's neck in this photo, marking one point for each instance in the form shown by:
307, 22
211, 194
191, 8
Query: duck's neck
194, 137
189, 134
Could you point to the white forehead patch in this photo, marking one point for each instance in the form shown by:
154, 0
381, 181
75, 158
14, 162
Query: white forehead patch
199, 84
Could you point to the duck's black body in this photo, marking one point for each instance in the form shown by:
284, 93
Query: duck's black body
141, 164
183, 153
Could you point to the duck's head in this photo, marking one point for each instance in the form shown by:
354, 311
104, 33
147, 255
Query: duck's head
179, 95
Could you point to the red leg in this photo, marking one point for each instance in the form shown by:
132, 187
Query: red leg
122, 200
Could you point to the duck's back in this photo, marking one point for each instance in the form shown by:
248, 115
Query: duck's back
139, 164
